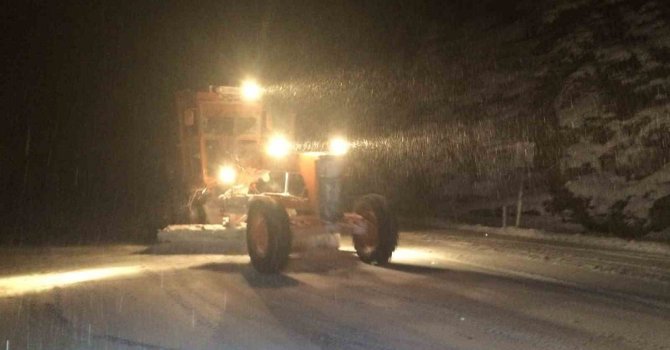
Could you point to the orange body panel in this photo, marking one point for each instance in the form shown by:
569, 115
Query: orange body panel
307, 168
197, 112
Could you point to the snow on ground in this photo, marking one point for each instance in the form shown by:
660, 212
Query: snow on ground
444, 289
602, 242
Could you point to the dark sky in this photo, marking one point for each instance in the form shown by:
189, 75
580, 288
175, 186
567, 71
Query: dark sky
107, 63
88, 86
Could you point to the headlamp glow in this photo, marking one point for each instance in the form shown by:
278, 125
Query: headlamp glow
278, 146
338, 146
227, 175
251, 91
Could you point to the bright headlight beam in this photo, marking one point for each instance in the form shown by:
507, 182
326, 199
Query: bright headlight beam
338, 146
17, 285
278, 146
251, 91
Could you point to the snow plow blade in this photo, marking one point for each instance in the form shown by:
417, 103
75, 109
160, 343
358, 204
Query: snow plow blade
200, 239
217, 239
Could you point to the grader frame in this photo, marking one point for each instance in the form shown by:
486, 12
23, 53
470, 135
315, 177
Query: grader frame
218, 128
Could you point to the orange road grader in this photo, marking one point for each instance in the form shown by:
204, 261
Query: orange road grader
243, 174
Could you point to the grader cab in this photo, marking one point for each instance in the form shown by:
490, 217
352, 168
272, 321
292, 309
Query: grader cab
242, 172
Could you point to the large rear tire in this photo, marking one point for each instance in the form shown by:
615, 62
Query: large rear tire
377, 245
268, 235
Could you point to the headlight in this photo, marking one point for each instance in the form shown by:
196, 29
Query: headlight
251, 91
338, 146
278, 146
227, 175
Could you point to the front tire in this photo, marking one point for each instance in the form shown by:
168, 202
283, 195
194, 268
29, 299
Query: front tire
377, 245
268, 235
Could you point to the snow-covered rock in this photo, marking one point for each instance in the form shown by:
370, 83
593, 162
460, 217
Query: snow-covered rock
614, 112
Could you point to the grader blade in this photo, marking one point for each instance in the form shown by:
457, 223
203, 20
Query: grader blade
200, 239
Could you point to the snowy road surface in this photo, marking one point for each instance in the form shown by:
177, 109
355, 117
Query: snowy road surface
444, 290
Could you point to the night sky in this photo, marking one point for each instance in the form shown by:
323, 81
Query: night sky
89, 136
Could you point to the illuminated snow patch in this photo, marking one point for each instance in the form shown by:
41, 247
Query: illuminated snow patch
412, 255
406, 254
17, 285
